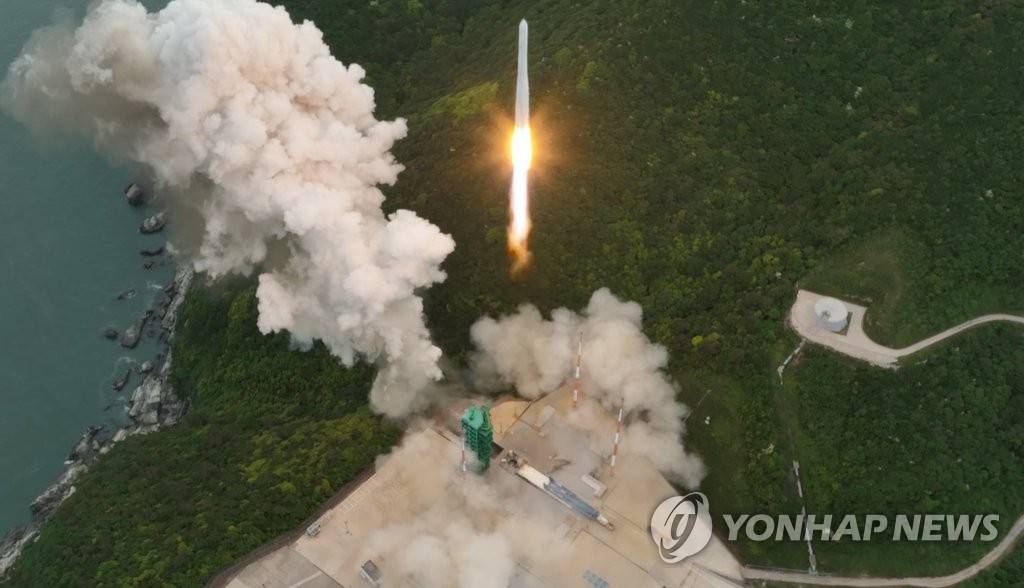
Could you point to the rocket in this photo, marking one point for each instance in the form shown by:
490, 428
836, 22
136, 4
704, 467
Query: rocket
522, 153
522, 80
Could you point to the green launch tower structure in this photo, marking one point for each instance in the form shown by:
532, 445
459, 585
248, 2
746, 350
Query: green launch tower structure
476, 426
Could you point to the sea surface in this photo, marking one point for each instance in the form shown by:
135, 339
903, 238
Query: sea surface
69, 245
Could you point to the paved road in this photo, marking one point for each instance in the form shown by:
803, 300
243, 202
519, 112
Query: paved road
856, 343
988, 318
990, 558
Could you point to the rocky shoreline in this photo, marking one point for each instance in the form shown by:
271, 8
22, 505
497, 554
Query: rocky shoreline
152, 405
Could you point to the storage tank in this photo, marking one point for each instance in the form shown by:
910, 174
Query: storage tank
831, 314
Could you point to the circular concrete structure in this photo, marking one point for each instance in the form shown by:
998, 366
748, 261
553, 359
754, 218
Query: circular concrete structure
831, 314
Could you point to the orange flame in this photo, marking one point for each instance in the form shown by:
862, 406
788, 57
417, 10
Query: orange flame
519, 205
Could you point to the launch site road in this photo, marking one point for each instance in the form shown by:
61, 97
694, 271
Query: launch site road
987, 560
855, 342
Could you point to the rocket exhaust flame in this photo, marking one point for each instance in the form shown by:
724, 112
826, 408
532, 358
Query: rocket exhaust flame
522, 153
519, 205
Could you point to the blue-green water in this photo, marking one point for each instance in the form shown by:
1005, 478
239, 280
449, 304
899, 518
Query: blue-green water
68, 245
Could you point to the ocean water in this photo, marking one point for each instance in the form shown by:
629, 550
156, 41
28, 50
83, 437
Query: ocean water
68, 246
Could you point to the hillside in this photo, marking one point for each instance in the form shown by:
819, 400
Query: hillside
703, 159
271, 434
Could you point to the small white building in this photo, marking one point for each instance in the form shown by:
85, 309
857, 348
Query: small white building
831, 314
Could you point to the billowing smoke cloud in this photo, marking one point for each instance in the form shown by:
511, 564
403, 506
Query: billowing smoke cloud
621, 365
269, 156
461, 535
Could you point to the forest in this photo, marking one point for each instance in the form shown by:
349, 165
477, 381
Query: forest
271, 434
942, 435
705, 159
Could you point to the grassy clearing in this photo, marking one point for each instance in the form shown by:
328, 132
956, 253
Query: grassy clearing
870, 273
884, 273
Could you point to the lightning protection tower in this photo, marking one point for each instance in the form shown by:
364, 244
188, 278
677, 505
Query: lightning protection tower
479, 434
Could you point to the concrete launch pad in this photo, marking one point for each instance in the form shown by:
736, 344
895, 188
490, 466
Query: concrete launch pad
542, 433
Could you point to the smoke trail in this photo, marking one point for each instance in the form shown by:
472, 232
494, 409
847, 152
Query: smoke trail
269, 155
460, 534
536, 356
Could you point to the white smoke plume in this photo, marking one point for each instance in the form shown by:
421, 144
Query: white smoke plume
461, 535
620, 365
269, 156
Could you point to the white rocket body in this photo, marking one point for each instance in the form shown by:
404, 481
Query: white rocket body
522, 80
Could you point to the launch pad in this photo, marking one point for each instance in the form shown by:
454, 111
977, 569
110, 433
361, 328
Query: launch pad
339, 549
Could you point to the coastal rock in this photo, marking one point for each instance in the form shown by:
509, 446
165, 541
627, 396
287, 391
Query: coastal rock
152, 251
129, 293
13, 542
153, 404
182, 280
165, 303
145, 403
83, 453
86, 448
130, 337
148, 265
144, 367
110, 333
121, 382
47, 502
153, 224
134, 194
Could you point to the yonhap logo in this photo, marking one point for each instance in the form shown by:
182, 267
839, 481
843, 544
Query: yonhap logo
681, 526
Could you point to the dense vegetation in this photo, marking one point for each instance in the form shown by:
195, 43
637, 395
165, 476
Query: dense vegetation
942, 436
1007, 573
273, 433
705, 158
